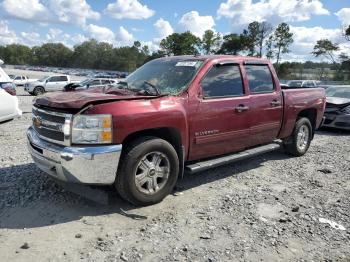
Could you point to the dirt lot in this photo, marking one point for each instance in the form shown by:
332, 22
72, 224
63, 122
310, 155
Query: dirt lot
268, 208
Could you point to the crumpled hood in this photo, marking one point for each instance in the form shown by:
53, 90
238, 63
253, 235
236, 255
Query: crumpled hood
337, 101
78, 100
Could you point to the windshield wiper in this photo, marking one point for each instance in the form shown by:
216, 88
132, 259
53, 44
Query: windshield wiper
158, 93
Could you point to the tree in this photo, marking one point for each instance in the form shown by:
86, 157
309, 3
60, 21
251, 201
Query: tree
326, 48
264, 30
250, 37
16, 54
269, 48
86, 54
282, 38
210, 42
232, 44
180, 44
347, 33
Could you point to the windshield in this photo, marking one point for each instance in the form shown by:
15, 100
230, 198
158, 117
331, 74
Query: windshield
164, 76
43, 79
85, 82
343, 92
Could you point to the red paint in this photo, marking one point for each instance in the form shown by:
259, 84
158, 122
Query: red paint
220, 128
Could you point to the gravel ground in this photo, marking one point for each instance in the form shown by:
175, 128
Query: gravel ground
270, 208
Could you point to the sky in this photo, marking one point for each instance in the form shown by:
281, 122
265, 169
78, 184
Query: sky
121, 22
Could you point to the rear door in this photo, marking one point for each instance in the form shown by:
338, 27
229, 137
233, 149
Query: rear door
220, 123
266, 104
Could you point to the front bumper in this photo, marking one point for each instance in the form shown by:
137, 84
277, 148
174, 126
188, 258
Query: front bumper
341, 121
94, 165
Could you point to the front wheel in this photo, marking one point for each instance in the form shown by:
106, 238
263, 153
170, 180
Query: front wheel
299, 142
38, 91
148, 171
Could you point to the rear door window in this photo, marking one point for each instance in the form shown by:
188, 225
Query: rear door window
62, 78
259, 78
222, 81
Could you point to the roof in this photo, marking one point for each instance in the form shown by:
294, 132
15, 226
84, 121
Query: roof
216, 57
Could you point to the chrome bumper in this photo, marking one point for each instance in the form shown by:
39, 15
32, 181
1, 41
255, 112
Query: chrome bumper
95, 165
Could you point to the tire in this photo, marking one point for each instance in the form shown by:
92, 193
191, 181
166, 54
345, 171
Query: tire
299, 142
144, 160
38, 91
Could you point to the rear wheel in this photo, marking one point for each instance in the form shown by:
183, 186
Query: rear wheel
148, 171
299, 142
38, 91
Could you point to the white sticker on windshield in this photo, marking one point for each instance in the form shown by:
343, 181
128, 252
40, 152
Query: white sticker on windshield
186, 63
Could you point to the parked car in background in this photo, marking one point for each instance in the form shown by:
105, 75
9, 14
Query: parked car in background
337, 111
89, 83
22, 80
171, 114
48, 84
9, 87
9, 108
6, 82
302, 83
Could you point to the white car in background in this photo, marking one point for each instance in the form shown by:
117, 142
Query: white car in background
22, 80
48, 84
9, 108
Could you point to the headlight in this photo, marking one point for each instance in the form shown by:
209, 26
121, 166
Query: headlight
92, 129
346, 110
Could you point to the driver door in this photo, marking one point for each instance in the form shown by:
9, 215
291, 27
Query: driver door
221, 122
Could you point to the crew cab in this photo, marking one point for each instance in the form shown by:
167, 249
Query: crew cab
47, 84
22, 80
172, 114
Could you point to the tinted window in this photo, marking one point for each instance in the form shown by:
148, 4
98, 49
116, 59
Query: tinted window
260, 79
61, 78
95, 83
53, 79
105, 82
18, 78
222, 81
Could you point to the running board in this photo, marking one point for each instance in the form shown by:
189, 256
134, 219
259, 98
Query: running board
207, 164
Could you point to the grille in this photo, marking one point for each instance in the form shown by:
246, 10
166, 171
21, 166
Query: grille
50, 125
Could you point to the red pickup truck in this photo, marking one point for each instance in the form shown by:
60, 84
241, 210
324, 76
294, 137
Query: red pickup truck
172, 114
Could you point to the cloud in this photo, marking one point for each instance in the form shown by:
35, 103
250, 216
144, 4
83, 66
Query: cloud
242, 12
73, 11
344, 16
100, 33
163, 28
195, 23
123, 37
31, 10
131, 9
305, 39
31, 38
7, 36
54, 11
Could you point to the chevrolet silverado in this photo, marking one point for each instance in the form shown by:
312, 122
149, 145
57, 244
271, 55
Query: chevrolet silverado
171, 115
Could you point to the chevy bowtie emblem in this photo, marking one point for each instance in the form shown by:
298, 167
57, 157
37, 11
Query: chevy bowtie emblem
37, 121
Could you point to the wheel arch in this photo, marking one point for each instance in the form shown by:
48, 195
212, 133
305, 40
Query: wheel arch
169, 134
311, 114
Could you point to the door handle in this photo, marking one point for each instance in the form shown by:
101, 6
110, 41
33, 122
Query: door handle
241, 108
275, 103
